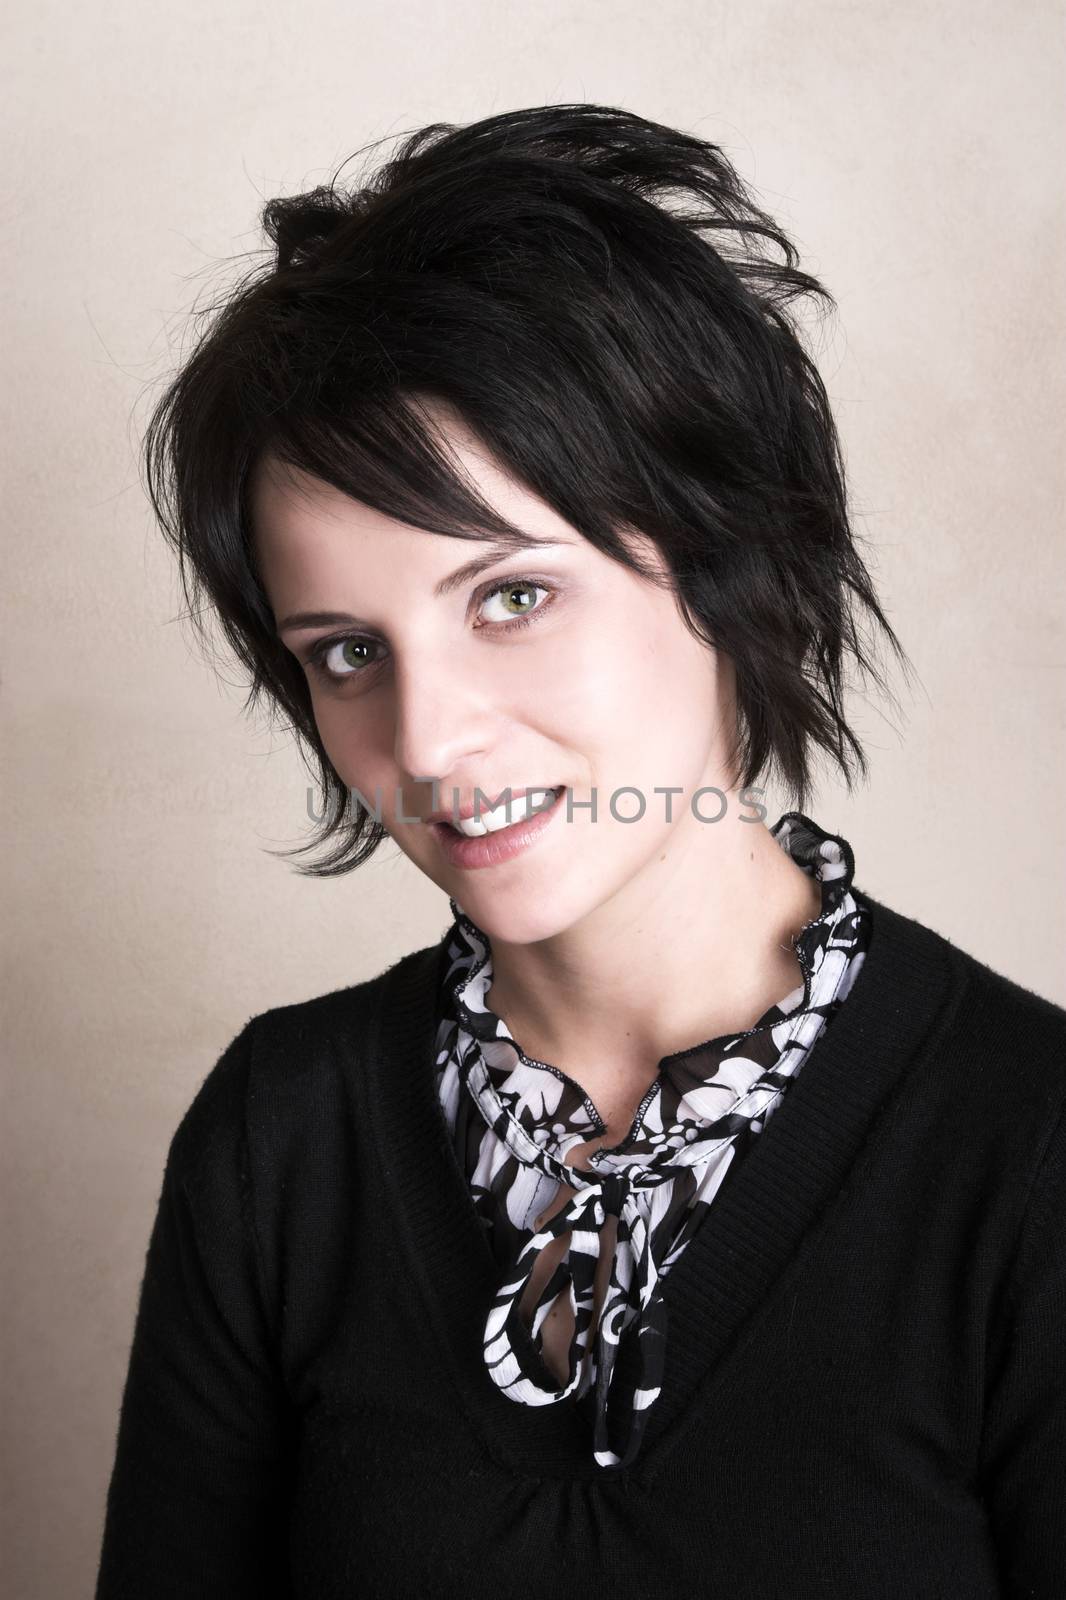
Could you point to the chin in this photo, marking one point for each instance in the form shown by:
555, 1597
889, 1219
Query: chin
527, 912
515, 917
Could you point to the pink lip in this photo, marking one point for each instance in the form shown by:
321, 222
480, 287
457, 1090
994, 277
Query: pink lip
494, 848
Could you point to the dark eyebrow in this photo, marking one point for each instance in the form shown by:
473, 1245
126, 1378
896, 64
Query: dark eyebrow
454, 580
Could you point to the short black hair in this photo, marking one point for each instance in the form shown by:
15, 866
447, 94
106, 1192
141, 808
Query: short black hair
636, 364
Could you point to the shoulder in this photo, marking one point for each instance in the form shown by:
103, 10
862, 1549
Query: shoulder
347, 1016
1015, 1036
1003, 1037
284, 1064
1016, 1011
1020, 1013
1013, 1003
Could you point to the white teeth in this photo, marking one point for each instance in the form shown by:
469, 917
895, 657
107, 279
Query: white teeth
492, 821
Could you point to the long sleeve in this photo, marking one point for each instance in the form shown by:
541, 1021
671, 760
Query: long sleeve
195, 1505
1024, 1453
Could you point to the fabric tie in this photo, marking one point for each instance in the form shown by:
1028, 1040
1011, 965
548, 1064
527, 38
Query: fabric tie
515, 1122
632, 1293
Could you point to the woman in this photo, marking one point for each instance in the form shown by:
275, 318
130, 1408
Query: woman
685, 1219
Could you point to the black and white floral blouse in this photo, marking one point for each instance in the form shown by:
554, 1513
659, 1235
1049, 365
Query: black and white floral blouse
513, 1119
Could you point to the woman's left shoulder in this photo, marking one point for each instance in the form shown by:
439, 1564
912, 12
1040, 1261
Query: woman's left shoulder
986, 991
1017, 1000
990, 1033
1009, 1034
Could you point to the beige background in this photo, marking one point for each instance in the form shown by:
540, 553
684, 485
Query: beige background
916, 151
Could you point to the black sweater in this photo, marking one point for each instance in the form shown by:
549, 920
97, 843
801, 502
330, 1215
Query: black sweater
864, 1389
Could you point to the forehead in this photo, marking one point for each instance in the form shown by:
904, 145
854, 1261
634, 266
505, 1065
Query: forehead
280, 494
303, 527
305, 532
277, 488
298, 518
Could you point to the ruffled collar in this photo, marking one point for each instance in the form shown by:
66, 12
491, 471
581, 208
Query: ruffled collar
543, 1119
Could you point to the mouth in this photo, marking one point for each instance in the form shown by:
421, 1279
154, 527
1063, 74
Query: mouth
506, 814
492, 839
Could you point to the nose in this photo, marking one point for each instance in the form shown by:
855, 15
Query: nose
443, 719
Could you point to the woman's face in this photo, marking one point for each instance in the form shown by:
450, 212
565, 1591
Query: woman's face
602, 689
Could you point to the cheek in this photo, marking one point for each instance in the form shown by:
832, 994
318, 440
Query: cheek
357, 743
645, 692
600, 678
595, 700
667, 736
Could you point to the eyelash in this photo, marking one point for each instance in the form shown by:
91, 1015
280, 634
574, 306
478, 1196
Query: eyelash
317, 658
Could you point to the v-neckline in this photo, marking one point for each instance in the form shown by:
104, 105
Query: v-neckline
743, 1247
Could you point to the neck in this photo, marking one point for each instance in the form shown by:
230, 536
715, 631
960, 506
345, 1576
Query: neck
701, 949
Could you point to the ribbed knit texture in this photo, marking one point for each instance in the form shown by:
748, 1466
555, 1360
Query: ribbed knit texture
864, 1389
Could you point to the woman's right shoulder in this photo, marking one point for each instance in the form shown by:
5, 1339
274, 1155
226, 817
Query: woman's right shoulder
273, 1151
282, 1073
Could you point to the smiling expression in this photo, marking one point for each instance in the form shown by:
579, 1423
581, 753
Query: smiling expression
553, 665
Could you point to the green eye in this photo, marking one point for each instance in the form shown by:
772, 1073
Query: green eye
508, 591
354, 645
338, 660
342, 660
